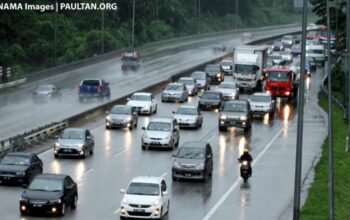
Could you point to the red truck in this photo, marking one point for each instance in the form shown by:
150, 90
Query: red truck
281, 82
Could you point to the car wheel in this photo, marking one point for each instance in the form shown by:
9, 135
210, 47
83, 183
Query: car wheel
63, 209
85, 153
131, 126
91, 151
174, 178
108, 127
143, 147
271, 115
57, 156
168, 208
74, 202
222, 128
205, 176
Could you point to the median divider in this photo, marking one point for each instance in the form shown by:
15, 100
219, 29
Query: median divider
13, 83
27, 139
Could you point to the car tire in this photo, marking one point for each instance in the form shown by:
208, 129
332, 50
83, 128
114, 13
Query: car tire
57, 156
74, 202
108, 127
174, 178
91, 152
222, 128
205, 176
271, 115
62, 209
143, 147
85, 153
131, 127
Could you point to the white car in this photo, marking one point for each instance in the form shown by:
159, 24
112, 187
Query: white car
145, 197
276, 58
287, 56
287, 40
229, 90
188, 116
143, 102
318, 52
161, 132
226, 66
191, 85
262, 103
295, 66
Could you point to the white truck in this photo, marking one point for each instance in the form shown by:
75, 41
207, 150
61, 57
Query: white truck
248, 64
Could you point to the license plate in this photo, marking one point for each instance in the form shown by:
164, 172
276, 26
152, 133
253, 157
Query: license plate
188, 174
38, 205
139, 210
7, 177
67, 150
208, 106
155, 142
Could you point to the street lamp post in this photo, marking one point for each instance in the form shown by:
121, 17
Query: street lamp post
199, 16
102, 30
133, 25
56, 11
236, 11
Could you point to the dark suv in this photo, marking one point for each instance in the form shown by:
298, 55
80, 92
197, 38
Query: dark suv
215, 72
211, 100
236, 113
194, 160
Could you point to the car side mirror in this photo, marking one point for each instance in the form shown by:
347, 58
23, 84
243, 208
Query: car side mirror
173, 112
143, 128
122, 191
127, 99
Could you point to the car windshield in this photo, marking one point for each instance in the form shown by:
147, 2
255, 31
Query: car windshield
191, 153
122, 110
91, 82
225, 63
159, 126
296, 63
186, 81
316, 51
275, 57
15, 160
260, 98
278, 76
141, 98
212, 68
227, 86
72, 134
198, 75
147, 189
287, 38
244, 68
41, 184
186, 111
211, 95
296, 47
174, 87
235, 107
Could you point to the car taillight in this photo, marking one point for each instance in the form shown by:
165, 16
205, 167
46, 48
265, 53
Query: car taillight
98, 88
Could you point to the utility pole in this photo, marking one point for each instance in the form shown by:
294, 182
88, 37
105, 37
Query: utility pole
56, 11
133, 25
330, 125
199, 16
299, 147
157, 24
347, 61
102, 30
236, 19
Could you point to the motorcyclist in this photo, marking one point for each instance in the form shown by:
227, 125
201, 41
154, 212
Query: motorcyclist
246, 157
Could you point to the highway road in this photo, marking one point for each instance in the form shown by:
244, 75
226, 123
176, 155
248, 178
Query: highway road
20, 114
118, 158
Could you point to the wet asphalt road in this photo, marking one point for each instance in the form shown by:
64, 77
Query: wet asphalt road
118, 158
20, 114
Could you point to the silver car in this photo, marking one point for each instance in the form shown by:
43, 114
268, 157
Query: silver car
191, 85
122, 116
226, 66
175, 92
74, 142
161, 132
188, 116
202, 79
229, 90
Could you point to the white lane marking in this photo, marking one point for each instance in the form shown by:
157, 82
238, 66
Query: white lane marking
164, 174
117, 211
120, 152
45, 152
234, 185
88, 171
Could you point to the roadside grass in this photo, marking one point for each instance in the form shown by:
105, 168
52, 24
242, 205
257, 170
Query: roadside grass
316, 205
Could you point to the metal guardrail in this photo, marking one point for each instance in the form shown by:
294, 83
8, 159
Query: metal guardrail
19, 142
13, 83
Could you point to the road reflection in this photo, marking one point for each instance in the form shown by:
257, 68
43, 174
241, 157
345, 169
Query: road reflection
222, 153
55, 167
79, 170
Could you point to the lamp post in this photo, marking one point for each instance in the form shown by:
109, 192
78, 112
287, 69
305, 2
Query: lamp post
133, 25
102, 30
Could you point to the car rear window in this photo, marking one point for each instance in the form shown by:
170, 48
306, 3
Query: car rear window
91, 82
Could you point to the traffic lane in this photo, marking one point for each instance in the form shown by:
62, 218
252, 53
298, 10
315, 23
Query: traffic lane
130, 159
273, 174
57, 110
108, 69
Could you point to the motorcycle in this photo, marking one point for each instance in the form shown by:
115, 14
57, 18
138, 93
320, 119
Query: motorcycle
245, 167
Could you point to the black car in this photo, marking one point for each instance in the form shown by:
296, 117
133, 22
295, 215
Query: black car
215, 72
211, 100
194, 160
49, 193
278, 46
130, 60
20, 168
312, 63
236, 113
296, 50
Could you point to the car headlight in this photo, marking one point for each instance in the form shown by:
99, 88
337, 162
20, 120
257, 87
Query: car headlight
23, 199
156, 202
200, 166
20, 173
124, 201
243, 118
223, 117
128, 118
57, 144
108, 118
218, 75
55, 201
177, 165
80, 146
